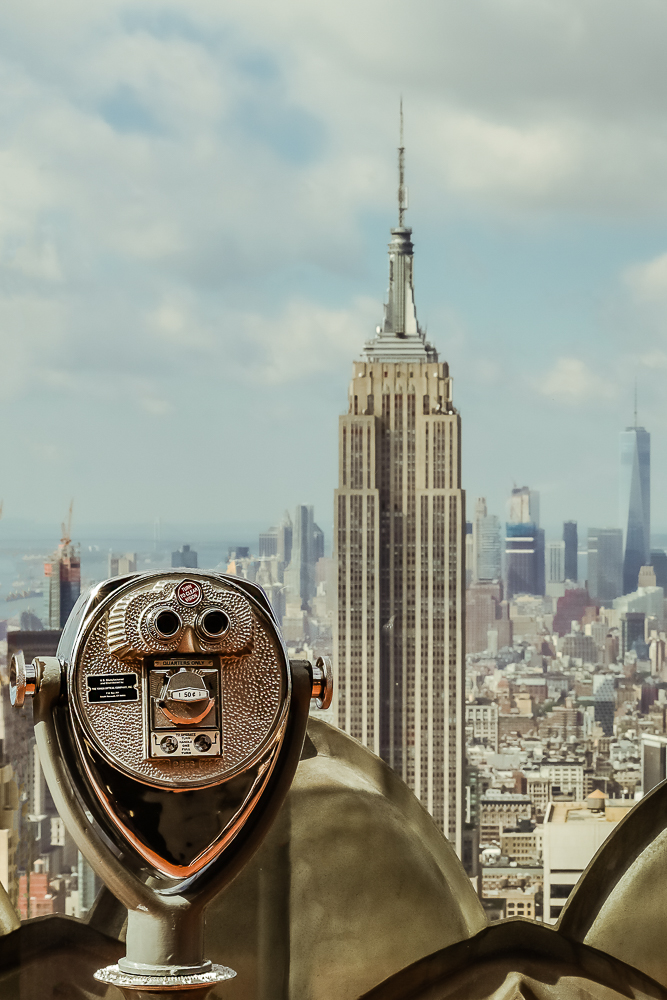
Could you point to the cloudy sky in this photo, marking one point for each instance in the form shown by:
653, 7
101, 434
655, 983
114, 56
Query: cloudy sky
195, 202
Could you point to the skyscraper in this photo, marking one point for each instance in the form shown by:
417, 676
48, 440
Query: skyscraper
524, 544
487, 553
555, 569
399, 542
488, 624
632, 629
604, 701
605, 564
556, 562
121, 565
268, 543
185, 557
277, 541
524, 506
63, 575
659, 564
307, 547
634, 508
469, 553
571, 540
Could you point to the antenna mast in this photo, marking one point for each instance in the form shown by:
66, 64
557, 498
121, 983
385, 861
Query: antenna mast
635, 400
402, 200
67, 527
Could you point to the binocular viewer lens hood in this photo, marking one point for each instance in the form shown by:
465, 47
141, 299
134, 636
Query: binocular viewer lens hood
169, 727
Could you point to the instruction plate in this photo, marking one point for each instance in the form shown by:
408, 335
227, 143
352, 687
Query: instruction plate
104, 689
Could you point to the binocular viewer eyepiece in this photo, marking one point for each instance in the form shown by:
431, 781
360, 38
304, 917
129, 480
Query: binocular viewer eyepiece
169, 727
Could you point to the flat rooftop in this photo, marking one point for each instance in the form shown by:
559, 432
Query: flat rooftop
576, 812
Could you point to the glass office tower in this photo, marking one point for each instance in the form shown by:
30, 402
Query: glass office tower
635, 503
571, 540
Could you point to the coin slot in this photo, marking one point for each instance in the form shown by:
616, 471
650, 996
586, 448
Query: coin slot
184, 702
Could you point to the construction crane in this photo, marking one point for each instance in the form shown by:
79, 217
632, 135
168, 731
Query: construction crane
67, 527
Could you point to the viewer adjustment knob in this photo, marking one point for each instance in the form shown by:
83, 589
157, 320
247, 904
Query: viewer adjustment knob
23, 679
323, 682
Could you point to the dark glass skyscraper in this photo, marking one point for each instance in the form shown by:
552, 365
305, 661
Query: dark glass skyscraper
571, 547
659, 564
524, 545
635, 503
524, 559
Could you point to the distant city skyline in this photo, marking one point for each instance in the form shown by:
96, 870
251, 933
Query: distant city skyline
553, 512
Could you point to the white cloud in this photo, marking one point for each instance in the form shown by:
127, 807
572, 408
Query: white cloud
648, 281
153, 405
31, 330
308, 339
571, 381
654, 360
481, 156
175, 322
293, 341
38, 259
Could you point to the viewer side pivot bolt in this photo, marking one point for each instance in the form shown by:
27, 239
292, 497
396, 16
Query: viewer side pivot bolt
322, 682
23, 679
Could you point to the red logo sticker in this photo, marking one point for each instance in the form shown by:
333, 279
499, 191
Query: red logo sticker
189, 593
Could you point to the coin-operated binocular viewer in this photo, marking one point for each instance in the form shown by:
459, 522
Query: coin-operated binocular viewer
169, 727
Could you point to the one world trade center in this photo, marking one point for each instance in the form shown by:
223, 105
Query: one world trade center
635, 503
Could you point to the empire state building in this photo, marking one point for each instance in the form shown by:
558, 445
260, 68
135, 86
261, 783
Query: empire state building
399, 542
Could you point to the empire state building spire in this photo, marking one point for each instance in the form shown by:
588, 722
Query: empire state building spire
400, 337
402, 192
